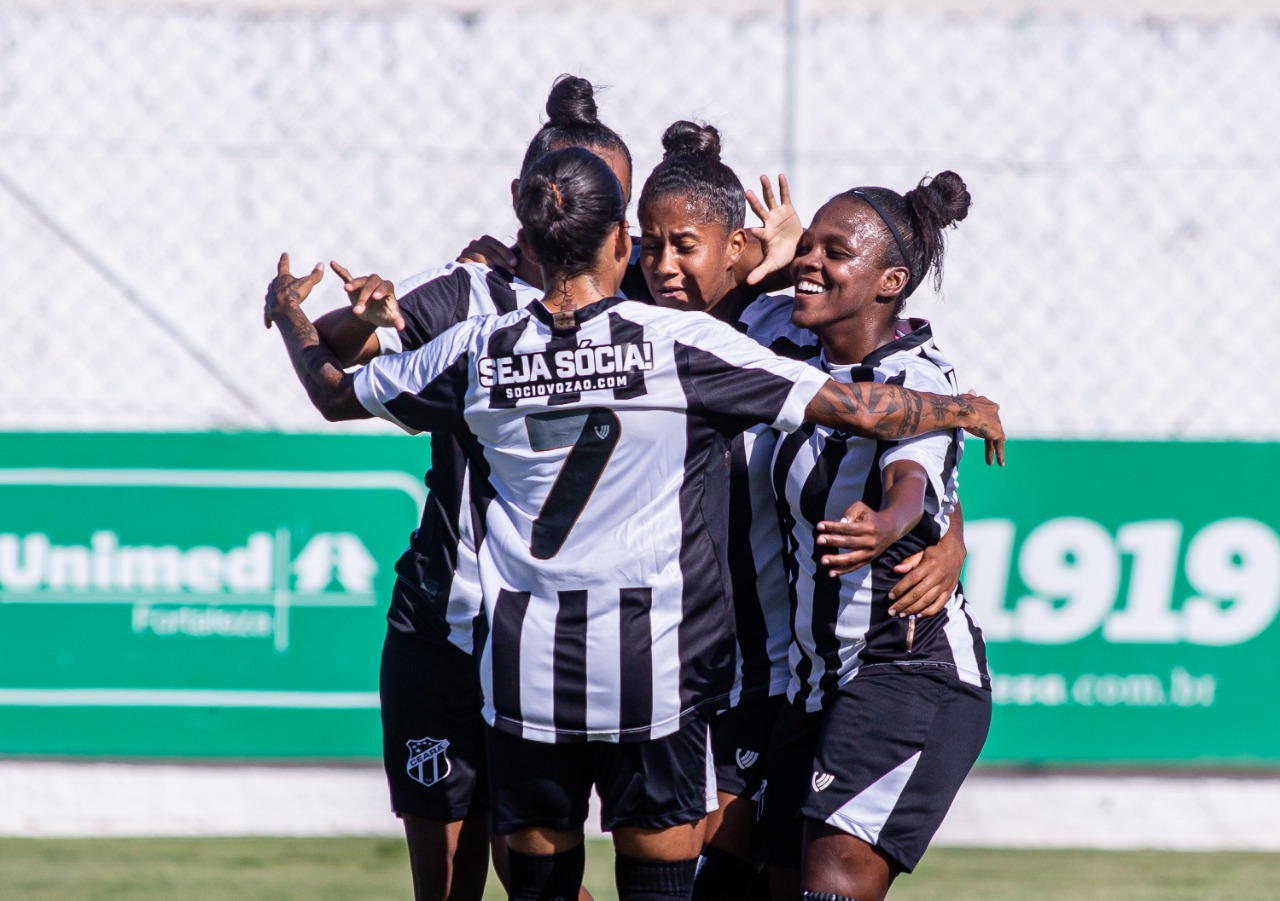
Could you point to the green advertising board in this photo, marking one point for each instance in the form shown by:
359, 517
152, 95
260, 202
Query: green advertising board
198, 595
224, 595
1129, 593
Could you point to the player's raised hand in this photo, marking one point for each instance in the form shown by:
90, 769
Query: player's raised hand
489, 251
985, 423
372, 297
287, 292
781, 231
859, 537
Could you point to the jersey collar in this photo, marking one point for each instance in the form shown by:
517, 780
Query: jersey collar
918, 332
580, 316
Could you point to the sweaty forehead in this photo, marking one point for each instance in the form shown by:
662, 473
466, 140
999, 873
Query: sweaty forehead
675, 212
846, 217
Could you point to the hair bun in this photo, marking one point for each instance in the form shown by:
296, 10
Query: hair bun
685, 137
572, 101
947, 196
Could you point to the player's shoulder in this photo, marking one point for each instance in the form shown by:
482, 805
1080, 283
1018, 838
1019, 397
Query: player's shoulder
466, 277
767, 321
913, 359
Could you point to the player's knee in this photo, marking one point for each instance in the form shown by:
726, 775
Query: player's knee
545, 877
653, 880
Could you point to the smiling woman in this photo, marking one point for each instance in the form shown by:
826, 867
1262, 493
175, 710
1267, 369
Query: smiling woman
888, 711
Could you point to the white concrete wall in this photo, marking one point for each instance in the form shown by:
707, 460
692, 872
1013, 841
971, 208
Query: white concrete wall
1115, 812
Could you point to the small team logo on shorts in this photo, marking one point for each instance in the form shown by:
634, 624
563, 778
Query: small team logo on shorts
746, 759
427, 761
822, 781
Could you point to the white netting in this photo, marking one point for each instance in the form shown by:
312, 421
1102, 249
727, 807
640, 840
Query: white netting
1112, 279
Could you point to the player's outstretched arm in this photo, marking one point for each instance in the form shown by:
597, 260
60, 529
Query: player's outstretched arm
888, 411
331, 390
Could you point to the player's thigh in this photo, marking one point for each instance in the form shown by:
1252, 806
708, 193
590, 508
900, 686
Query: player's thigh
537, 785
895, 747
655, 794
433, 739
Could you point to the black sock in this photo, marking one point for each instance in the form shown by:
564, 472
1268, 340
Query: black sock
722, 875
546, 877
826, 896
653, 880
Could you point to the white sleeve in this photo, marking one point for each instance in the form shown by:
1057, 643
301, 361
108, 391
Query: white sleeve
422, 390
931, 451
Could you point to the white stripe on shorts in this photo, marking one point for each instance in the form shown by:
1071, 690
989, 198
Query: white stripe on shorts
864, 815
713, 795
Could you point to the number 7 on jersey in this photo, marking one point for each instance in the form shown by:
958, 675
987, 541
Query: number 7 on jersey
592, 434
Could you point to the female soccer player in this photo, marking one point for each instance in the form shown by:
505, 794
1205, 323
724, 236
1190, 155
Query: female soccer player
692, 213
603, 424
888, 713
429, 686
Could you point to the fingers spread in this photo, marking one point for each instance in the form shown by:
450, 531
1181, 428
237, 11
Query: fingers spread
784, 189
766, 188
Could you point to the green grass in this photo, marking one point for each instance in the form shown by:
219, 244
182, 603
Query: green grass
284, 869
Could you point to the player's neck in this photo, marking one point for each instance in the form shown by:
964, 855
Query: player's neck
851, 342
576, 292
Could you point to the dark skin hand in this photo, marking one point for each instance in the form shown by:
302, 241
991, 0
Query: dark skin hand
349, 332
929, 577
331, 390
868, 533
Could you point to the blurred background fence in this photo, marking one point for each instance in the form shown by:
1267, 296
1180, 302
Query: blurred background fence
1114, 278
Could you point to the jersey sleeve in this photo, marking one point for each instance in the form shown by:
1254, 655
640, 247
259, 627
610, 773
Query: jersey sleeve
422, 390
730, 375
937, 453
431, 302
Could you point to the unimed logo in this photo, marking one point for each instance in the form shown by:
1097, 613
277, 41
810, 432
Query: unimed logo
240, 592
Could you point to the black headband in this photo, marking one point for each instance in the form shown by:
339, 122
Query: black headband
893, 230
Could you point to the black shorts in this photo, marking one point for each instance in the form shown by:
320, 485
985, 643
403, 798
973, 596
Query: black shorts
882, 762
644, 784
432, 730
740, 744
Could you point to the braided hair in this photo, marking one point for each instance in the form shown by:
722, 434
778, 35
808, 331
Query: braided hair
691, 169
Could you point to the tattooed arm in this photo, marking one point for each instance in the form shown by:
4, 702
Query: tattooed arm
871, 410
331, 390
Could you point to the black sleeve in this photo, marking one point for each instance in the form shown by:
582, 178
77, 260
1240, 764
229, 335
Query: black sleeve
434, 307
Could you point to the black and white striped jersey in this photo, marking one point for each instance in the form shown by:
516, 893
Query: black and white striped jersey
438, 583
841, 625
603, 562
761, 594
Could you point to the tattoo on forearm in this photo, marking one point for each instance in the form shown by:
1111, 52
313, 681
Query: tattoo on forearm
313, 362
889, 411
